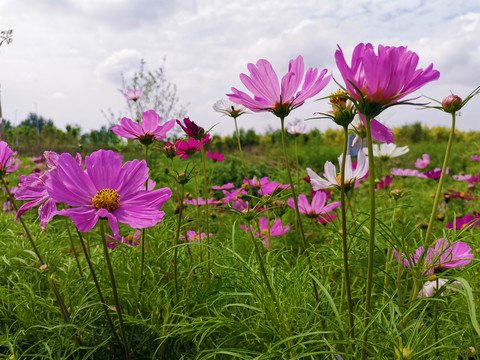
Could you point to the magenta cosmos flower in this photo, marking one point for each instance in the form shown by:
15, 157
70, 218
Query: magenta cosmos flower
375, 82
423, 162
192, 236
106, 189
145, 132
317, 207
277, 229
279, 98
215, 156
5, 155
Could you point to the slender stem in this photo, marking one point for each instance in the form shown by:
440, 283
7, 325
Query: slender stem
389, 256
175, 255
114, 288
58, 296
176, 183
344, 237
240, 149
371, 240
440, 184
97, 285
297, 212
200, 241
207, 216
67, 225
296, 159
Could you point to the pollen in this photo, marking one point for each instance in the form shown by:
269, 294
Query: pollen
106, 199
338, 98
339, 177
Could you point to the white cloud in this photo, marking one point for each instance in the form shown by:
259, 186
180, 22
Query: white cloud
56, 96
125, 61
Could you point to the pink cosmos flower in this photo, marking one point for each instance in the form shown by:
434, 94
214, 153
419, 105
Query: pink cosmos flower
106, 189
134, 94
185, 148
5, 155
278, 98
275, 230
317, 207
442, 256
468, 221
434, 174
464, 195
192, 129
270, 187
215, 156
145, 132
332, 177
255, 182
223, 187
434, 284
462, 177
384, 183
130, 240
376, 82
199, 202
404, 172
192, 236
475, 157
423, 162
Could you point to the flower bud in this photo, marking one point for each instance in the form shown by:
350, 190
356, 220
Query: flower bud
452, 103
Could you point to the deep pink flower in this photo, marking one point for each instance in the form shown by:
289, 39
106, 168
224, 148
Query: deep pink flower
255, 182
317, 207
5, 155
185, 148
423, 162
441, 256
270, 187
192, 129
134, 94
459, 195
475, 157
192, 236
469, 220
384, 183
223, 187
376, 82
275, 230
130, 240
233, 195
199, 202
145, 132
215, 156
278, 98
106, 189
434, 174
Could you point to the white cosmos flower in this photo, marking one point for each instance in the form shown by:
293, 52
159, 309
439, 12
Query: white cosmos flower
432, 285
332, 177
229, 108
388, 151
297, 128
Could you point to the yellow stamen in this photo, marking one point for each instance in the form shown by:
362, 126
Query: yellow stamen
106, 199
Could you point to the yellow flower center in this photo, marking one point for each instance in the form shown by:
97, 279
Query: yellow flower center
106, 199
196, 237
264, 232
463, 194
339, 178
339, 100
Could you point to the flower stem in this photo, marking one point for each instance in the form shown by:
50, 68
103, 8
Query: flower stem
97, 285
114, 289
371, 240
344, 237
440, 184
61, 303
297, 212
175, 255
240, 149
389, 256
207, 216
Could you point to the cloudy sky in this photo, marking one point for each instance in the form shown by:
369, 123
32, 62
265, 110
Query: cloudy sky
66, 56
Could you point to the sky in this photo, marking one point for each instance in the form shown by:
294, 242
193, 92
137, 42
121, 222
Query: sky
67, 56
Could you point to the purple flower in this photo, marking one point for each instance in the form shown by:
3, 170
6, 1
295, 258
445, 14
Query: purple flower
383, 183
223, 187
475, 157
434, 174
278, 98
5, 156
192, 129
106, 189
316, 208
185, 148
423, 162
468, 221
377, 81
275, 230
192, 236
215, 156
145, 132
134, 94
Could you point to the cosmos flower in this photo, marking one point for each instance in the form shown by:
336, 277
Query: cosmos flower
191, 129
199, 202
278, 98
404, 172
379, 131
223, 187
267, 189
275, 230
215, 156
475, 157
192, 236
229, 108
434, 174
134, 94
462, 177
468, 221
433, 284
376, 82
441, 256
145, 132
106, 189
383, 183
5, 155
333, 178
316, 208
130, 240
388, 151
423, 162
464, 195
186, 148
297, 128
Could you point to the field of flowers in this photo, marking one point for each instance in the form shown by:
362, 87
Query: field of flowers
188, 253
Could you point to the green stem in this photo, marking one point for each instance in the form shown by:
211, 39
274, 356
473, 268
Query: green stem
344, 237
297, 212
58, 296
240, 149
97, 285
207, 216
440, 184
200, 241
67, 225
114, 289
175, 255
296, 159
371, 240
389, 256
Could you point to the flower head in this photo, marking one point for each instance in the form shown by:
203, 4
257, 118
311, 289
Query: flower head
215, 156
433, 284
297, 128
229, 108
134, 94
278, 98
423, 162
185, 148
376, 82
277, 229
192, 236
145, 132
333, 179
452, 103
388, 151
5, 155
191, 129
316, 208
468, 221
106, 189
